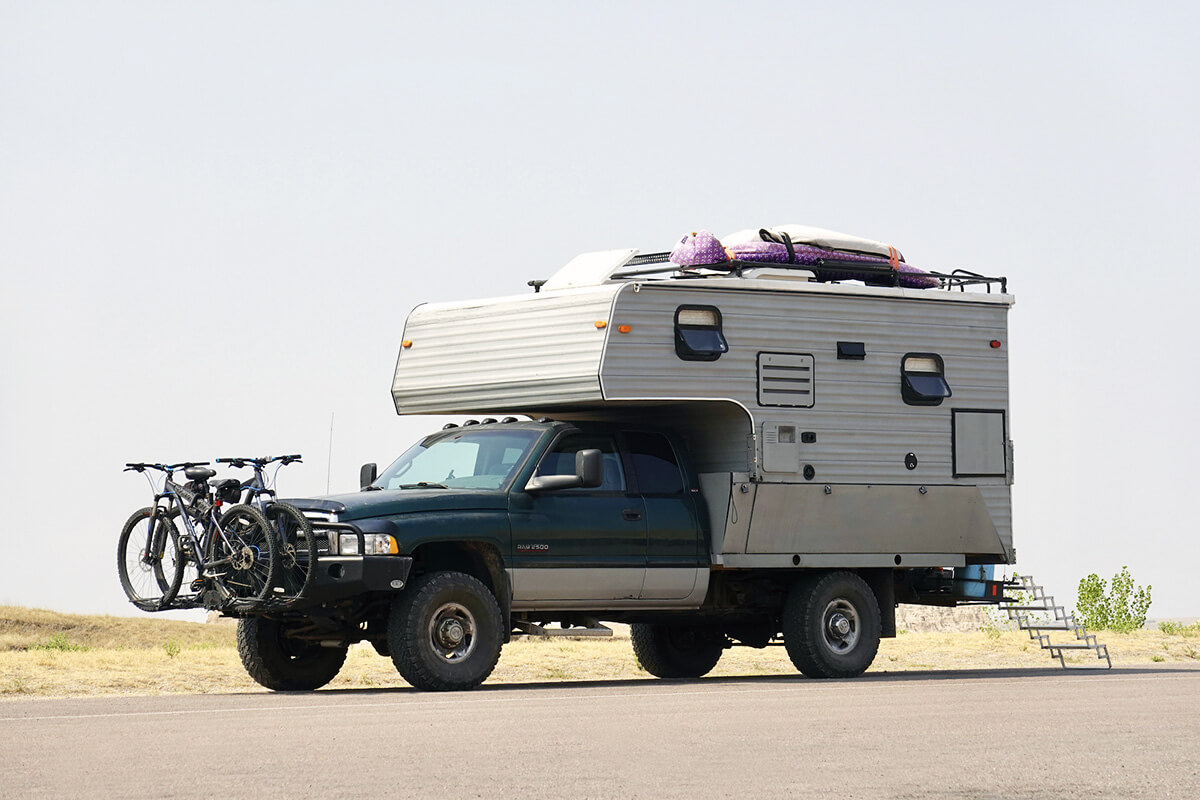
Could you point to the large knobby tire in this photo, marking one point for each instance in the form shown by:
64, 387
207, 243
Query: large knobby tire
831, 626
149, 561
282, 663
677, 651
445, 632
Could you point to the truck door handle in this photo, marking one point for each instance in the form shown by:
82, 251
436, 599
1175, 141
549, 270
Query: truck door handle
631, 514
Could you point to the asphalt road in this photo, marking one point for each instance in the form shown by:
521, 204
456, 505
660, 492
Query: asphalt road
981, 734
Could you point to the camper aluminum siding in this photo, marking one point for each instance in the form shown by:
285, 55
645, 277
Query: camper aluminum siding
507, 354
543, 353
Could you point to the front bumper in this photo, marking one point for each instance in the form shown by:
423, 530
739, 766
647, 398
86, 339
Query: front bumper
338, 577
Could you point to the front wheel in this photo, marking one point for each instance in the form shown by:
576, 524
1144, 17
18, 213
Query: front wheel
149, 562
831, 626
243, 557
284, 663
297, 550
444, 632
676, 651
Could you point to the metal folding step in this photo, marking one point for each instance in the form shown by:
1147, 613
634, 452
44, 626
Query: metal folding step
1022, 612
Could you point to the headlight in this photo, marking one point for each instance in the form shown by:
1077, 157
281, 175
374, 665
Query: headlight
374, 544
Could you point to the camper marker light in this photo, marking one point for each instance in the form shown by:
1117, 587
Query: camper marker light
623, 329
601, 324
407, 343
995, 344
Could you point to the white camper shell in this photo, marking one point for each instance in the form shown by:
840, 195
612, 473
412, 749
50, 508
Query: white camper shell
832, 424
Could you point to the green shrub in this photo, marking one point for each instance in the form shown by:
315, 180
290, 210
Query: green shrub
171, 648
1178, 628
1115, 608
60, 642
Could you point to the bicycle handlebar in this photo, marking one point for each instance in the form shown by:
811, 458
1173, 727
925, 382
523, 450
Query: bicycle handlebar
141, 466
239, 463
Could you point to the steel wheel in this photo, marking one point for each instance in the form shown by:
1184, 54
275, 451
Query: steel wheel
452, 632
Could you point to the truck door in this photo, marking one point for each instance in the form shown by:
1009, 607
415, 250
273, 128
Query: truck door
675, 551
578, 544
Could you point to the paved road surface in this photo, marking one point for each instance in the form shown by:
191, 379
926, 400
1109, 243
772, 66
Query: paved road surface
986, 734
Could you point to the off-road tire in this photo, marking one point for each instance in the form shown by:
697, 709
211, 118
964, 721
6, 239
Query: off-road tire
297, 551
159, 583
677, 651
445, 632
813, 618
281, 663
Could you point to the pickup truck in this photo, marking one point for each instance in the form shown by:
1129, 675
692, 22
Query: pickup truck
488, 529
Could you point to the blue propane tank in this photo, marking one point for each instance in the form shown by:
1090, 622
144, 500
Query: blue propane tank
970, 578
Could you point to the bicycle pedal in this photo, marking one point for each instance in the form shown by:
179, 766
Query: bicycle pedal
197, 585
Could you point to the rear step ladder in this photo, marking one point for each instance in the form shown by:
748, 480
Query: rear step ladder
1021, 612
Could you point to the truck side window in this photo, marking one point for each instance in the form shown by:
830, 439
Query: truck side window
655, 463
561, 460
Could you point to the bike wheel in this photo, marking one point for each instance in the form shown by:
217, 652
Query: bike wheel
243, 558
149, 562
297, 550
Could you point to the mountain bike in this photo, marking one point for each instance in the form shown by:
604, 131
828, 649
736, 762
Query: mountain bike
234, 552
297, 545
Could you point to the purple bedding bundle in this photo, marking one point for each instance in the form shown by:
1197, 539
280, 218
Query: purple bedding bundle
705, 249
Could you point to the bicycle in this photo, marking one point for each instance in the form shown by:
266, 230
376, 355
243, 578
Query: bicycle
234, 552
297, 544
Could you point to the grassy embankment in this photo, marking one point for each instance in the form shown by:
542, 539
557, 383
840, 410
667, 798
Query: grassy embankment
45, 653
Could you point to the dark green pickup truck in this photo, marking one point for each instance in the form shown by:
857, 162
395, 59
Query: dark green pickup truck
482, 531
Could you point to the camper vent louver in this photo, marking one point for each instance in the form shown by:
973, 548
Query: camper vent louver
785, 379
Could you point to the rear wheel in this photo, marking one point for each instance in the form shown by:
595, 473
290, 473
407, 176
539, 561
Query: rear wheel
831, 626
444, 632
677, 651
243, 557
284, 663
149, 562
297, 550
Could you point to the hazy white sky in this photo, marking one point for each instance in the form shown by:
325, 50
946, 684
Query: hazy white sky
215, 217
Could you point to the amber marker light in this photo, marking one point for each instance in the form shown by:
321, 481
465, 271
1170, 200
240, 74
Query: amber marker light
601, 324
407, 343
623, 329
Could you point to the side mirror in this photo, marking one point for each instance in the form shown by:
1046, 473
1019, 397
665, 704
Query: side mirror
367, 475
589, 468
589, 473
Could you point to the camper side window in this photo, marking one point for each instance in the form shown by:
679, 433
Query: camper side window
698, 334
923, 379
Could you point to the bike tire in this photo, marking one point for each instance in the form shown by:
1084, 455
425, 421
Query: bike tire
149, 561
243, 557
297, 551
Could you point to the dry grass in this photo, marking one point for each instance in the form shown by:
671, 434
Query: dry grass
46, 654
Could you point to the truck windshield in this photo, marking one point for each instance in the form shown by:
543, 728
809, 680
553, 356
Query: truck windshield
459, 459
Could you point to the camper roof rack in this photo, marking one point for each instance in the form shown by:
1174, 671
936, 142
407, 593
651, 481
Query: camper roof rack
648, 264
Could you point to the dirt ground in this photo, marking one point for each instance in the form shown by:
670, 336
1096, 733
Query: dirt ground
46, 654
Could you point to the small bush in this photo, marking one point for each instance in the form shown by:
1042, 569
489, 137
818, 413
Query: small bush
1115, 608
171, 648
61, 643
1178, 628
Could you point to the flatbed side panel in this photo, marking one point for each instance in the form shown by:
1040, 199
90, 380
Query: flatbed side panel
506, 354
792, 518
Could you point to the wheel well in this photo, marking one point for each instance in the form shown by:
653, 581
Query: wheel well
477, 559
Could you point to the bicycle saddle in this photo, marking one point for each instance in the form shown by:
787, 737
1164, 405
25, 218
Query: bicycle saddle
199, 473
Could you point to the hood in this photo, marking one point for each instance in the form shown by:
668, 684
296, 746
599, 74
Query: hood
391, 503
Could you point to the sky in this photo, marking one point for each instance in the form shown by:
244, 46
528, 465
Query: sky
215, 217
